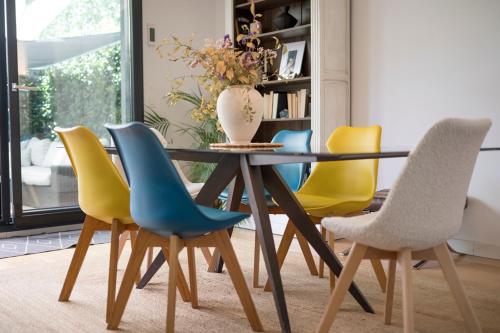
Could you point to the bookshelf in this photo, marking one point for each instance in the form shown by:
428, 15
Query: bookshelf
326, 70
296, 91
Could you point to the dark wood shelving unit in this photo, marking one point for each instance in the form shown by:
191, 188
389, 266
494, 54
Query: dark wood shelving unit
301, 10
262, 5
297, 31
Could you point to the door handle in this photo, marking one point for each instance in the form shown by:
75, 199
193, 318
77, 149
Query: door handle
19, 87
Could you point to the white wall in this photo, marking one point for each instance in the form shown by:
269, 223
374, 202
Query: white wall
415, 62
204, 18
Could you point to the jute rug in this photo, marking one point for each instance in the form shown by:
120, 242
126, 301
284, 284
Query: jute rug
30, 287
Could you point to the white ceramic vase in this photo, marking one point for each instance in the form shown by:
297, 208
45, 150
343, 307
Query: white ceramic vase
231, 112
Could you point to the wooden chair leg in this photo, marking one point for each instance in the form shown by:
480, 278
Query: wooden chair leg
331, 243
133, 238
256, 261
133, 266
379, 273
181, 279
450, 273
223, 242
122, 242
389, 293
357, 254
150, 256
404, 260
174, 248
116, 230
192, 277
321, 265
206, 254
306, 251
78, 256
283, 248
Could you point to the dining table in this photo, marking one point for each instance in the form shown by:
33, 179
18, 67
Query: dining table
254, 170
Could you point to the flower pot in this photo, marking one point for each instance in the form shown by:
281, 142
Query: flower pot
240, 110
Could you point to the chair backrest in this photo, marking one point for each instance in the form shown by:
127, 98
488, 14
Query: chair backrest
102, 192
158, 199
427, 200
164, 143
356, 179
293, 141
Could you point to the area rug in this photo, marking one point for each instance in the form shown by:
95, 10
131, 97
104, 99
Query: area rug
31, 286
18, 246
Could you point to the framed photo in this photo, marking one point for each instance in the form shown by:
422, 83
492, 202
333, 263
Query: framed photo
291, 60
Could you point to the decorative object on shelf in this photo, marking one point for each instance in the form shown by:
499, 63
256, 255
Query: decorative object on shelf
284, 20
240, 127
218, 66
291, 60
283, 113
265, 75
240, 21
256, 27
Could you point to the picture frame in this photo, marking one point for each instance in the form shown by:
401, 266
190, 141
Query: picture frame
291, 60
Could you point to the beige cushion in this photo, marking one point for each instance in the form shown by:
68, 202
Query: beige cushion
36, 175
39, 149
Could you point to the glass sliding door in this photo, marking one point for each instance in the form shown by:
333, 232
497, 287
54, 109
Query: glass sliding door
69, 64
4, 127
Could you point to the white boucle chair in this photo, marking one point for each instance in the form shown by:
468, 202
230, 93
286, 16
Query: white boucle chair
423, 210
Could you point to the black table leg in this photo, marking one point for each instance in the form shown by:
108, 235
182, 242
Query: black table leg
224, 172
258, 205
287, 201
233, 204
155, 266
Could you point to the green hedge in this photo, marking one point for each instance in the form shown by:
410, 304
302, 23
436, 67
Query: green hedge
85, 90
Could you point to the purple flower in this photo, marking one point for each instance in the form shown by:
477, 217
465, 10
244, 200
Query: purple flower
247, 61
227, 42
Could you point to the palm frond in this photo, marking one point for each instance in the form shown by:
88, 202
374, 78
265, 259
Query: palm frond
153, 119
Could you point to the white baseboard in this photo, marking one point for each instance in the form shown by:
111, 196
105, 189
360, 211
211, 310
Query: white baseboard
278, 223
476, 248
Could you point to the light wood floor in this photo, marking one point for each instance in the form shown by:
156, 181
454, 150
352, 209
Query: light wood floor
30, 286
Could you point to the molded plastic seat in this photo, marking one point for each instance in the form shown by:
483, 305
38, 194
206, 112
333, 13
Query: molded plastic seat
159, 199
102, 192
193, 188
294, 173
343, 187
338, 188
168, 217
104, 197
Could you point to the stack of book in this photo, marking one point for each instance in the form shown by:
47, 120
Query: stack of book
294, 102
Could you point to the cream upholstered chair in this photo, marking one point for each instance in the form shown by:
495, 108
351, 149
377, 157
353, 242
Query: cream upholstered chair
423, 210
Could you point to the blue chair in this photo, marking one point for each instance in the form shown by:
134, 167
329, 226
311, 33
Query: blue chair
293, 174
168, 218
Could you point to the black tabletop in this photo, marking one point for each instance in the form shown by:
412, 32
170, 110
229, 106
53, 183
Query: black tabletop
279, 156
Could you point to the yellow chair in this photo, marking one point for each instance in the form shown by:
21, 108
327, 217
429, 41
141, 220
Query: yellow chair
104, 197
339, 188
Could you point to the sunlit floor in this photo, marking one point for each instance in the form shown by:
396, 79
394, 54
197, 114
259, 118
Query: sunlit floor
31, 284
